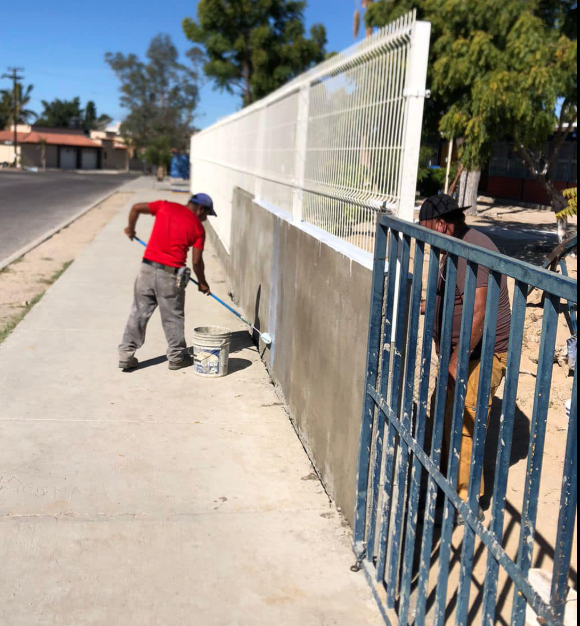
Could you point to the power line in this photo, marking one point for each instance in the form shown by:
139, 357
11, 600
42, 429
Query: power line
15, 78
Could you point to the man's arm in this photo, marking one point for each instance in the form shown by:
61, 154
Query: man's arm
199, 269
136, 211
476, 332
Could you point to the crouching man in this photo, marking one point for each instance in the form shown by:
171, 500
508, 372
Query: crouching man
163, 276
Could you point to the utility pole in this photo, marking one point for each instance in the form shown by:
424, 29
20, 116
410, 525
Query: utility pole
15, 78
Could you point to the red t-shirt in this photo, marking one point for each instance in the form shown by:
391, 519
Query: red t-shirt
175, 231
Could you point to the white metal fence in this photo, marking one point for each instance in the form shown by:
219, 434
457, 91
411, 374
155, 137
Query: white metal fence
332, 147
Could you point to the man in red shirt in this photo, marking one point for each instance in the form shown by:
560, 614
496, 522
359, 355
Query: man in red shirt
164, 276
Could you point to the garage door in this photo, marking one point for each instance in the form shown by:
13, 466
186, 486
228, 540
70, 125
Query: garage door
89, 159
68, 158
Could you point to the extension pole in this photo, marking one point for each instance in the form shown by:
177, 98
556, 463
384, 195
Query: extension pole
265, 337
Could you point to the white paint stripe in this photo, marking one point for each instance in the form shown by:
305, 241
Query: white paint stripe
342, 247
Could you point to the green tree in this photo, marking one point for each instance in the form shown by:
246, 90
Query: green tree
253, 47
70, 114
571, 210
160, 94
4, 111
94, 121
23, 97
500, 70
158, 154
61, 114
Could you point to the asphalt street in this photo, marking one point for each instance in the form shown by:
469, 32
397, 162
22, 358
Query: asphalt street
32, 204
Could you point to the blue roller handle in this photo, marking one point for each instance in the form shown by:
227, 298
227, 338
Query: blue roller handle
227, 306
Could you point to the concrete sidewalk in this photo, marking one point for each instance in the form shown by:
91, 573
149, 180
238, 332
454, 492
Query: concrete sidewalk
155, 497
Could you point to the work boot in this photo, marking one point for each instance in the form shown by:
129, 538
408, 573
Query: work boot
186, 361
129, 364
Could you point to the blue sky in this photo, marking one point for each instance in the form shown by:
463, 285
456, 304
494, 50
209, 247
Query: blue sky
62, 49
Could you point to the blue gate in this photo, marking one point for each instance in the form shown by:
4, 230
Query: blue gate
408, 547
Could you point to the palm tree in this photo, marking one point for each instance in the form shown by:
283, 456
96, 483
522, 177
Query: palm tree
7, 108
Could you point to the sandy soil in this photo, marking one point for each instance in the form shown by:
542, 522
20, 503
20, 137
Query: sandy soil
22, 282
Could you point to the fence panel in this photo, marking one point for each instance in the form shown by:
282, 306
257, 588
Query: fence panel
424, 567
334, 146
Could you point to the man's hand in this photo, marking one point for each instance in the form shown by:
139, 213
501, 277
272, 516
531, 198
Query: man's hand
452, 372
204, 288
136, 211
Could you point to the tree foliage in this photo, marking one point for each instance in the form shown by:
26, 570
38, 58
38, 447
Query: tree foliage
61, 113
252, 47
571, 210
23, 114
501, 70
159, 93
70, 114
92, 120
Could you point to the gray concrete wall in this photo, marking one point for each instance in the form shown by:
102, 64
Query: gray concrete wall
314, 302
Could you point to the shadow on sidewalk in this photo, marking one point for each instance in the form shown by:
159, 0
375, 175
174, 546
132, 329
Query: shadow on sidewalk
241, 340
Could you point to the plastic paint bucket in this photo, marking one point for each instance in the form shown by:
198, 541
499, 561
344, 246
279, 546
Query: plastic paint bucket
211, 351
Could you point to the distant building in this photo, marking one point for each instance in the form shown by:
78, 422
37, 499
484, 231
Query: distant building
65, 149
508, 178
116, 154
53, 148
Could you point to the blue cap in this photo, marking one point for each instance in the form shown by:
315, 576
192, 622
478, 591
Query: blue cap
204, 200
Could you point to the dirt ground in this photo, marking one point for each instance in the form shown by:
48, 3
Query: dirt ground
23, 282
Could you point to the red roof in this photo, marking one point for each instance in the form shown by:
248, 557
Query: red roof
52, 139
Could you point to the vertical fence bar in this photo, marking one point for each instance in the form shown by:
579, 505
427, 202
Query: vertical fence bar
415, 94
374, 344
438, 422
567, 518
395, 403
505, 439
261, 151
407, 413
479, 437
536, 452
385, 359
455, 439
420, 427
301, 153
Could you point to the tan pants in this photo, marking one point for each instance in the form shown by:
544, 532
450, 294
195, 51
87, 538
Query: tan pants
469, 416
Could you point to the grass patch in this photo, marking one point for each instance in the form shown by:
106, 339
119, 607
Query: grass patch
7, 328
16, 319
60, 272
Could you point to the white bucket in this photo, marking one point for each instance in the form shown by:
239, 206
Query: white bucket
211, 351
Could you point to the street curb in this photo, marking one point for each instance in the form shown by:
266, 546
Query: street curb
51, 233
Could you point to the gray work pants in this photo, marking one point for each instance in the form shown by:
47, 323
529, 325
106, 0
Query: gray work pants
154, 287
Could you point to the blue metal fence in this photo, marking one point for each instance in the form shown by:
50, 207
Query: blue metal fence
401, 479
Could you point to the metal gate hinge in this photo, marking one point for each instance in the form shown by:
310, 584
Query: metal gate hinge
356, 568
